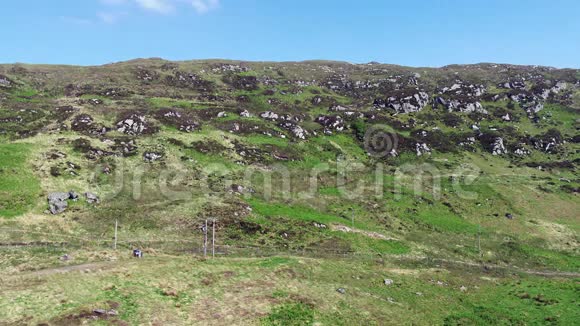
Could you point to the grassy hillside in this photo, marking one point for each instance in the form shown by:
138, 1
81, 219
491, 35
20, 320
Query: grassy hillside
459, 183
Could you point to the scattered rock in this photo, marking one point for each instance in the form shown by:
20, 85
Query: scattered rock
84, 123
422, 149
296, 130
404, 101
92, 198
331, 123
150, 157
498, 147
65, 257
341, 290
57, 202
5, 82
73, 196
135, 124
189, 80
388, 281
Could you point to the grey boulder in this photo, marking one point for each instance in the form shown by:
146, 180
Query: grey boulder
92, 198
57, 202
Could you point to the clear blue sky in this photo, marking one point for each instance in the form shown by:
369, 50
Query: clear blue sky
412, 32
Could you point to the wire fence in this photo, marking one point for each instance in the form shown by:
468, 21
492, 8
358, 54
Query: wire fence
16, 238
10, 239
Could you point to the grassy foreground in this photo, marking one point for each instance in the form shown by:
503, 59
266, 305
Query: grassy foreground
179, 290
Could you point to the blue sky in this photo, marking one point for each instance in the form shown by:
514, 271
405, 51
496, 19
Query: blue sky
412, 32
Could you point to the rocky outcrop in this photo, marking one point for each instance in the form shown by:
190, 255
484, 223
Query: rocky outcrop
135, 124
221, 68
5, 81
126, 147
404, 102
296, 130
516, 84
175, 118
146, 75
58, 201
498, 147
151, 157
270, 115
461, 89
466, 105
189, 80
92, 198
85, 124
331, 123
422, 149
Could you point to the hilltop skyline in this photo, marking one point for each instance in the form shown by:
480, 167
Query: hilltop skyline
452, 32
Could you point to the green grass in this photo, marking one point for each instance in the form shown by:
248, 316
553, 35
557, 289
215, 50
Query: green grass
266, 140
19, 188
330, 191
527, 302
301, 213
443, 220
24, 95
290, 314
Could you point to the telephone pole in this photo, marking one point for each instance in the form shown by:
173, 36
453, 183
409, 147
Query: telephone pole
205, 239
213, 239
116, 226
479, 238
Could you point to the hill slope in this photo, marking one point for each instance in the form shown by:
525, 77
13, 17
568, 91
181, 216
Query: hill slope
468, 163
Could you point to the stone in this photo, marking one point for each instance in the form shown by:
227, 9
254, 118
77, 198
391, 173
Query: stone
4, 81
57, 202
422, 149
341, 290
269, 115
92, 198
150, 157
405, 103
135, 124
388, 281
331, 123
73, 195
498, 148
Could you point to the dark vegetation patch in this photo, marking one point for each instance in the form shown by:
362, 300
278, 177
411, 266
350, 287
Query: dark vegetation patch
189, 80
241, 82
178, 119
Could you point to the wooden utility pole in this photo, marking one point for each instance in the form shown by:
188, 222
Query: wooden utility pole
479, 238
116, 226
205, 239
213, 239
352, 217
